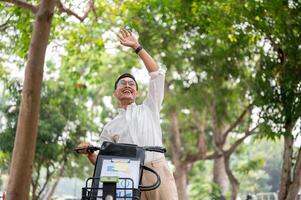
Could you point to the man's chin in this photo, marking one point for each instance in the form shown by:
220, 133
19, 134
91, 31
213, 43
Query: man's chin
130, 99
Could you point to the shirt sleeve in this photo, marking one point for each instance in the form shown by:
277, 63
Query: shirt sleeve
105, 136
155, 94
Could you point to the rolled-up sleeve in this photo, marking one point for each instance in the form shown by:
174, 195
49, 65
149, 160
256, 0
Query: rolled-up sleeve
155, 94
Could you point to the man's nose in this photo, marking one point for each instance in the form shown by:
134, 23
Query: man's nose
128, 84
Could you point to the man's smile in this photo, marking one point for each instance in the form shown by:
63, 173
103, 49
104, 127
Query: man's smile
127, 91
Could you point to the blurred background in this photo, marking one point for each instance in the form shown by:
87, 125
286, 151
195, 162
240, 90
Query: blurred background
231, 113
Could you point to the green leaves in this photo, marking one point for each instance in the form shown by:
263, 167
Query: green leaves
251, 165
62, 123
220, 57
17, 31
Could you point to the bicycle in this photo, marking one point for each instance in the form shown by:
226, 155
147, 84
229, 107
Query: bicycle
118, 172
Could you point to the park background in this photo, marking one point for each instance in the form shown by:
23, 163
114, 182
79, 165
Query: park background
231, 113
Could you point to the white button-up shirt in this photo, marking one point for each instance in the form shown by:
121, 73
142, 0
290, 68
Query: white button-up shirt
140, 124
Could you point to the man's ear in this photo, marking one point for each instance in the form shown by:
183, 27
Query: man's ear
114, 93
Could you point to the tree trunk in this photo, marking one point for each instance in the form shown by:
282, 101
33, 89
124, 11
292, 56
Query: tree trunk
234, 182
56, 182
181, 171
286, 168
25, 142
53, 188
181, 181
219, 174
296, 183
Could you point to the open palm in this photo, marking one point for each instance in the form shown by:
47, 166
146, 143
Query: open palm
126, 38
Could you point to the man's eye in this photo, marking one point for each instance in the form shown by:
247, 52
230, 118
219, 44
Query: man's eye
130, 83
122, 82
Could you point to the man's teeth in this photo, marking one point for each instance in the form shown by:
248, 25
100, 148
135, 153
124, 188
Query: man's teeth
126, 91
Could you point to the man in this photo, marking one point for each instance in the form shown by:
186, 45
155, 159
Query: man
140, 124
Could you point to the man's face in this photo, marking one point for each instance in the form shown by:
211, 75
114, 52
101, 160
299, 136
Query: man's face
126, 89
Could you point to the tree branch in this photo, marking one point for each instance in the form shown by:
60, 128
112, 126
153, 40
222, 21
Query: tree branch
217, 134
213, 156
35, 181
281, 54
58, 177
62, 9
94, 11
220, 152
202, 142
4, 25
237, 122
89, 7
239, 141
48, 176
23, 4
233, 180
195, 157
175, 138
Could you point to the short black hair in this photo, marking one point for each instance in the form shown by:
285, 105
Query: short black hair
124, 75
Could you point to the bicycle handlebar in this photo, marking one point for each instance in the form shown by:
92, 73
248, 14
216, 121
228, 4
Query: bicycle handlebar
89, 149
92, 149
125, 150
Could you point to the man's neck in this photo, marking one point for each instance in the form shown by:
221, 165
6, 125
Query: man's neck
124, 104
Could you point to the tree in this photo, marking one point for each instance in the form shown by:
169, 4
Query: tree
277, 80
26, 133
23, 154
62, 122
218, 65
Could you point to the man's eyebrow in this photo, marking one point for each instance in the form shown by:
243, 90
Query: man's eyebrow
127, 80
122, 81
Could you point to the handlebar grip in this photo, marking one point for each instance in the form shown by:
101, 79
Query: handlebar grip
155, 149
89, 149
78, 150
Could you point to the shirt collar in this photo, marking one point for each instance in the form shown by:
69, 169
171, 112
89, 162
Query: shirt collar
121, 110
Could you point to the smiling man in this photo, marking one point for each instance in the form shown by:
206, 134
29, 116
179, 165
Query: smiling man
140, 124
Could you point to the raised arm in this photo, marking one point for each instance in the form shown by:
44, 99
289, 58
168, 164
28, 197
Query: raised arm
126, 38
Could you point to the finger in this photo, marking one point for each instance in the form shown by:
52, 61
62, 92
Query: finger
130, 32
123, 43
126, 32
82, 150
120, 38
123, 34
83, 144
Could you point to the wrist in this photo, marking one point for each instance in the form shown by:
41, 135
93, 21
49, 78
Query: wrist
135, 46
90, 155
138, 49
